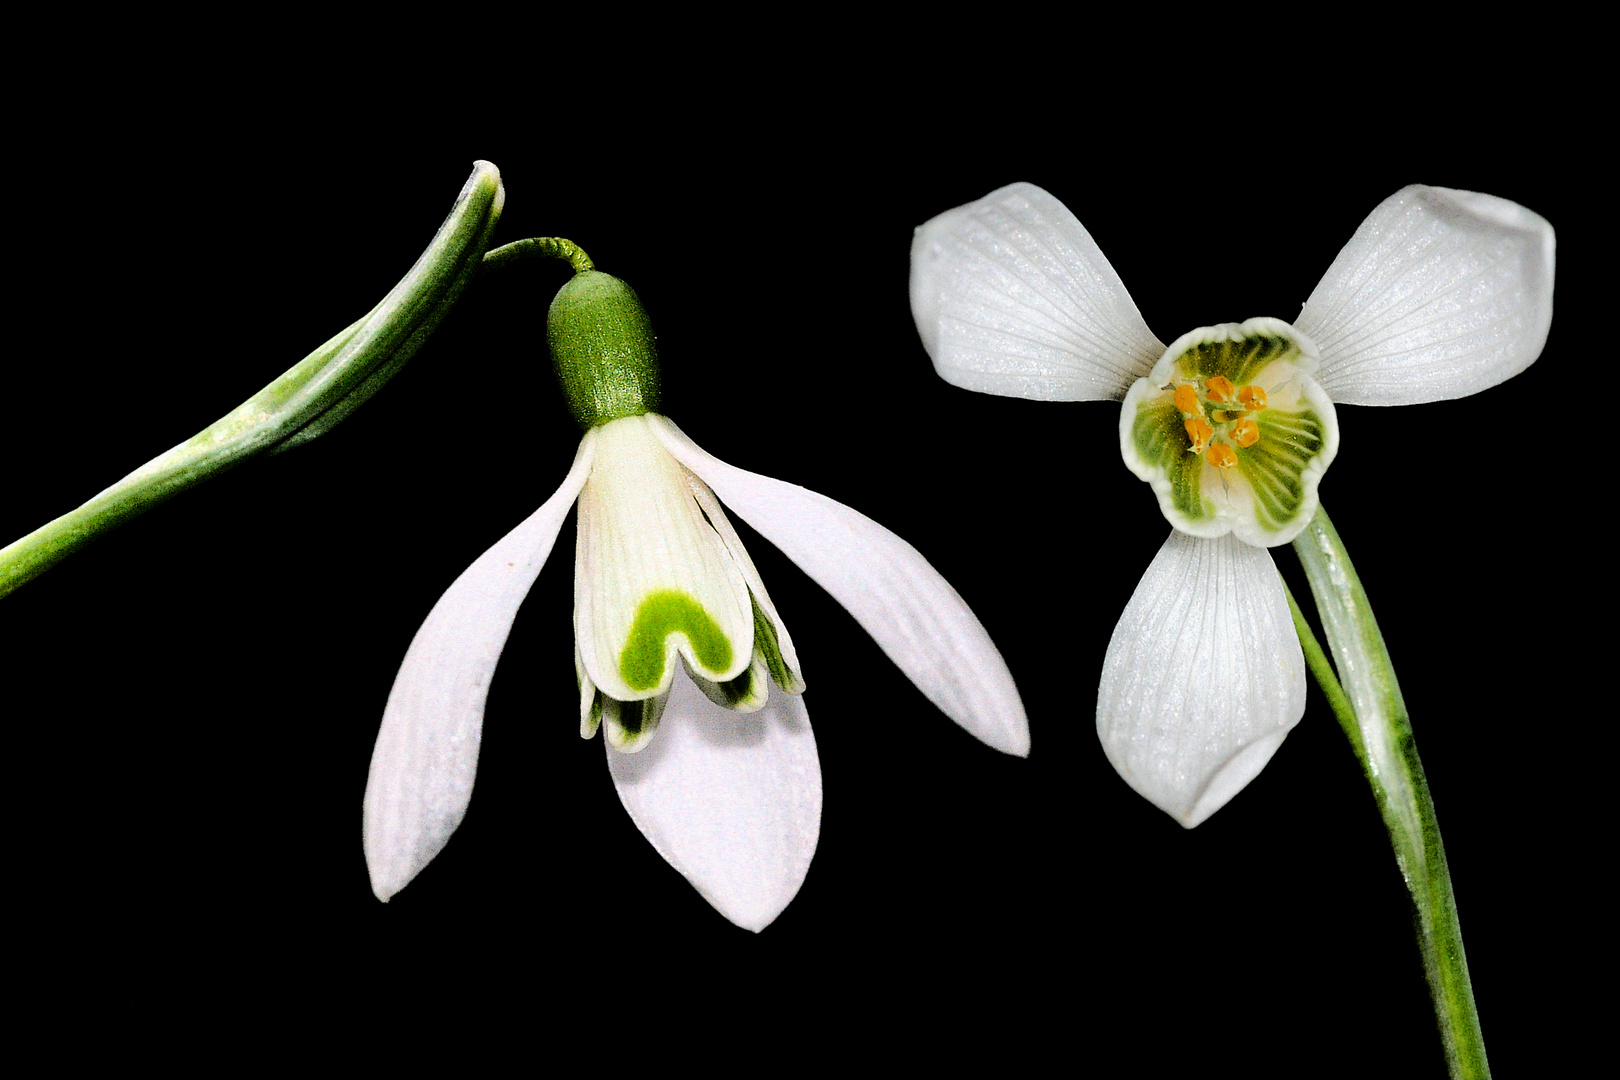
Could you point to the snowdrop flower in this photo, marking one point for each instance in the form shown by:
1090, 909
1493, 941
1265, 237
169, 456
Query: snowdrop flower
1439, 294
680, 654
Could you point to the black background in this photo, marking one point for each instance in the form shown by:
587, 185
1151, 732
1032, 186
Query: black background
196, 697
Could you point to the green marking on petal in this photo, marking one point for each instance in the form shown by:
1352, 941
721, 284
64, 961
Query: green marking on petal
592, 718
661, 614
630, 724
1160, 437
769, 650
1238, 360
744, 694
630, 716
1274, 465
590, 699
739, 689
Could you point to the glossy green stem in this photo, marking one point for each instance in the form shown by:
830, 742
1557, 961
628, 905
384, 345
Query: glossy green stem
304, 402
1370, 708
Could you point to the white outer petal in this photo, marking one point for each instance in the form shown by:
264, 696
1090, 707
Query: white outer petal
909, 609
1012, 296
731, 800
1204, 676
426, 756
1439, 294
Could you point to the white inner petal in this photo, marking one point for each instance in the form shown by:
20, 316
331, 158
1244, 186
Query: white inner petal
652, 578
728, 536
920, 622
1297, 437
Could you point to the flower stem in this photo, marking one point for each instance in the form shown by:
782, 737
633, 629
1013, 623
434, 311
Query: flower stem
1374, 716
539, 247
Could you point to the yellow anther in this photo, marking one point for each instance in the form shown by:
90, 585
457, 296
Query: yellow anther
1199, 431
1187, 400
1245, 432
1219, 388
1222, 456
1252, 397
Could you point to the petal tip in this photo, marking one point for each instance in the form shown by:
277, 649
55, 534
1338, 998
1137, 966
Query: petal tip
1013, 741
386, 881
752, 919
628, 742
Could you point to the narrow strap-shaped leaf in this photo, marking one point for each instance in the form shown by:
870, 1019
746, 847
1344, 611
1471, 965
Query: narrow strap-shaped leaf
307, 400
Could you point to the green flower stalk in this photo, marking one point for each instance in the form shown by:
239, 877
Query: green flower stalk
308, 400
1439, 294
1371, 711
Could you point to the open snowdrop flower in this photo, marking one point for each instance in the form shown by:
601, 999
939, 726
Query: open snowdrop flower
1439, 294
682, 659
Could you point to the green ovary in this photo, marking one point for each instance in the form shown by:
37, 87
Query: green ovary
661, 614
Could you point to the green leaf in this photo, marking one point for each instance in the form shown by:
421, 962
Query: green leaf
304, 402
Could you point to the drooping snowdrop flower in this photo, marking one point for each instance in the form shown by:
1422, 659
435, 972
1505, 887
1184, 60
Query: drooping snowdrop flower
1439, 294
680, 654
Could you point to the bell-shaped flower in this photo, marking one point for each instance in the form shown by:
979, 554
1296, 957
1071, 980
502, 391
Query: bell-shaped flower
1439, 294
681, 655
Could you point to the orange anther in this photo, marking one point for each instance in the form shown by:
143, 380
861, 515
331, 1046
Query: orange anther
1222, 456
1199, 431
1187, 400
1245, 433
1219, 388
1252, 397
